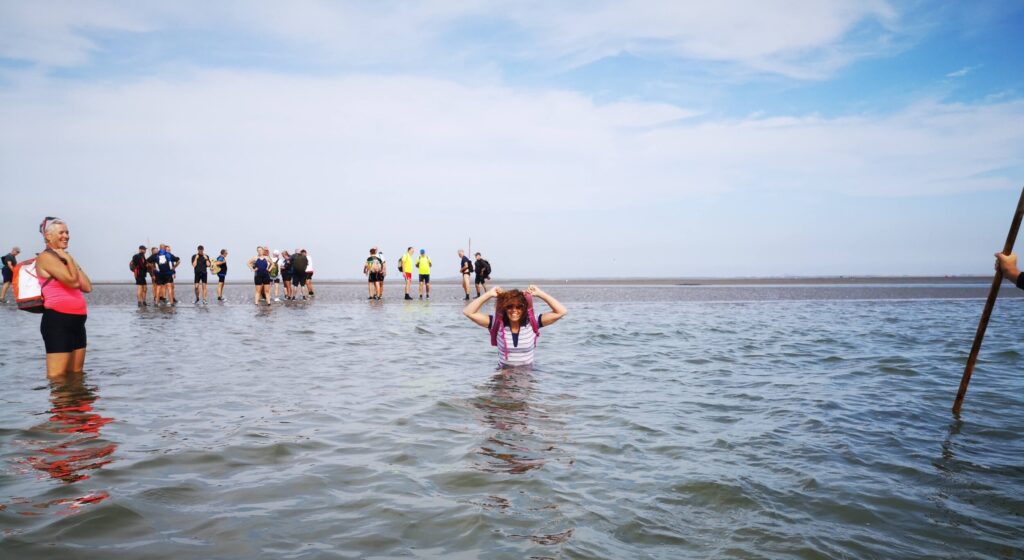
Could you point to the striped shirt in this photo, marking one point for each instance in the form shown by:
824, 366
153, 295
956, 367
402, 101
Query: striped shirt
520, 346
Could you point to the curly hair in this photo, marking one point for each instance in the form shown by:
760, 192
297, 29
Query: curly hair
509, 297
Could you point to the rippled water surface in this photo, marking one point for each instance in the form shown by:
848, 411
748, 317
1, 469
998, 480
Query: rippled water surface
678, 422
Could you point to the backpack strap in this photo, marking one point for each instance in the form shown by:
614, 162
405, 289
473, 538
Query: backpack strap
532, 315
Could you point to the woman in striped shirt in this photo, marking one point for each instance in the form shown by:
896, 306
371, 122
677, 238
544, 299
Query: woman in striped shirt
514, 327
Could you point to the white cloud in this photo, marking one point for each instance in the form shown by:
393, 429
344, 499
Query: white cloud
802, 38
961, 72
342, 162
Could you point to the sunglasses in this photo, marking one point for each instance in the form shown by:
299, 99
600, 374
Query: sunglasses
514, 306
46, 220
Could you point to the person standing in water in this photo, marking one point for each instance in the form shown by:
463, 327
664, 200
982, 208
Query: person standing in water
64, 309
200, 264
260, 265
466, 270
9, 261
483, 274
374, 271
140, 268
423, 265
309, 273
286, 274
221, 269
514, 327
406, 267
299, 263
151, 263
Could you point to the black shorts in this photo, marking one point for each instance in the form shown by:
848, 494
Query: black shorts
62, 332
200, 277
164, 279
299, 279
480, 280
287, 277
220, 277
140, 280
375, 277
8, 275
275, 280
262, 279
425, 278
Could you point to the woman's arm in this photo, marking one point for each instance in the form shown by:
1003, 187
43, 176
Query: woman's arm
557, 309
252, 264
472, 310
49, 265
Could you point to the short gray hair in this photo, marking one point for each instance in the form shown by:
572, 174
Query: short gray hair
49, 224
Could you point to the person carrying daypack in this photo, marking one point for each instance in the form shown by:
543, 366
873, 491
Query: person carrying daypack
483, 274
140, 269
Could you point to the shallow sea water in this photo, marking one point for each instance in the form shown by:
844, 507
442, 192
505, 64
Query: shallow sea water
659, 422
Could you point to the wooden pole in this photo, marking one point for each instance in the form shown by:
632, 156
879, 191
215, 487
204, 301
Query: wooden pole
989, 304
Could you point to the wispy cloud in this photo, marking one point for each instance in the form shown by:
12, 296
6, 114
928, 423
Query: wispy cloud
800, 38
961, 72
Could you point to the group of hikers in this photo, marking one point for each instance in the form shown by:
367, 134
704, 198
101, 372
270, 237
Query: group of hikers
270, 270
514, 326
376, 269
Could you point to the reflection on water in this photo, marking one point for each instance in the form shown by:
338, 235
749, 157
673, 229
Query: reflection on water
515, 445
506, 409
69, 445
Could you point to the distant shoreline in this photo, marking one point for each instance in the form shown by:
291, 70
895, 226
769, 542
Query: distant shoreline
654, 282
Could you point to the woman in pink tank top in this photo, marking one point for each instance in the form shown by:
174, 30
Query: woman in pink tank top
64, 310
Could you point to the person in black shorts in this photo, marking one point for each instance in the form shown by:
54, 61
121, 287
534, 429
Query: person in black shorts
299, 264
221, 268
286, 274
151, 263
260, 265
200, 263
140, 269
9, 261
483, 274
374, 271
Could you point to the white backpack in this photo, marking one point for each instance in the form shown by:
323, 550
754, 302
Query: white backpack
27, 291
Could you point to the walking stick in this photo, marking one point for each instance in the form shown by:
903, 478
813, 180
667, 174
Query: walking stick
989, 304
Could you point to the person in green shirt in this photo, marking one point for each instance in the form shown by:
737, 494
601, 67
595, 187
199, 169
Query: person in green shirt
423, 264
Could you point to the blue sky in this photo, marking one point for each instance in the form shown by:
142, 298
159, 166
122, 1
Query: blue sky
572, 139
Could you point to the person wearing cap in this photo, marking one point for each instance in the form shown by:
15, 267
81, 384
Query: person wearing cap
221, 268
423, 264
200, 264
9, 261
140, 269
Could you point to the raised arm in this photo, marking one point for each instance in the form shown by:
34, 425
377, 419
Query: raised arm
472, 310
557, 309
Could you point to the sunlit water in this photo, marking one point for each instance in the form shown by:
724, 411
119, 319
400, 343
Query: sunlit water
660, 422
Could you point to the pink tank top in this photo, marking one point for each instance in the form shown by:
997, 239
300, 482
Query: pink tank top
60, 298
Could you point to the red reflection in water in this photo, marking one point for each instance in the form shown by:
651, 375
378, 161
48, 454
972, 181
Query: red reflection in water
72, 413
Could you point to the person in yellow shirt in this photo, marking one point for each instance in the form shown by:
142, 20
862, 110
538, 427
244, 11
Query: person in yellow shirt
423, 264
407, 266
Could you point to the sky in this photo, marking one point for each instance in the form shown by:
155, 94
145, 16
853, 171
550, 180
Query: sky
621, 138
